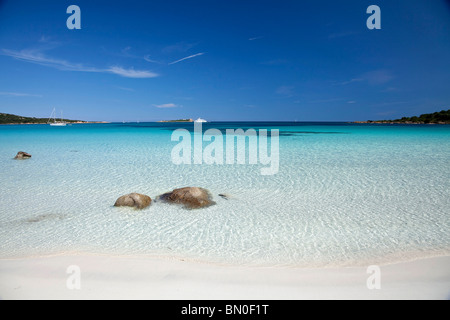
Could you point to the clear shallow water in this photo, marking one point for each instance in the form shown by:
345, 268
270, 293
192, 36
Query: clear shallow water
345, 194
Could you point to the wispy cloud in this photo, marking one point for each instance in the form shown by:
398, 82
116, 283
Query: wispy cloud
148, 59
19, 94
375, 77
255, 38
35, 56
130, 73
127, 52
186, 58
166, 105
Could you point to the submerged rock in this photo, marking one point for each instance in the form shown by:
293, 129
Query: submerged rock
189, 197
45, 217
22, 155
225, 196
136, 200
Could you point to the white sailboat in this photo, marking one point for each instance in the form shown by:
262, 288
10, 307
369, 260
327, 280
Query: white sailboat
53, 122
200, 120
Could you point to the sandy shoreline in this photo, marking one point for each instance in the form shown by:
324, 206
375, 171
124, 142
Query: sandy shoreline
106, 277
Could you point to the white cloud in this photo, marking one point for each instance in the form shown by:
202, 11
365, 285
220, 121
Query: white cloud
19, 94
190, 57
167, 105
131, 73
34, 56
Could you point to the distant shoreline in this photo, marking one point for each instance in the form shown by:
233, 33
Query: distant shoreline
34, 123
397, 122
12, 119
441, 117
179, 120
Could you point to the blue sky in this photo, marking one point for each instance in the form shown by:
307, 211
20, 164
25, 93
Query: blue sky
225, 60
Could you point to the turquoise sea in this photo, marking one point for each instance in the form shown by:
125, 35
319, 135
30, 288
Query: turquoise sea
344, 195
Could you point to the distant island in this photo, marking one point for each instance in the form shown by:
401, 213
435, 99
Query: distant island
179, 120
6, 118
441, 117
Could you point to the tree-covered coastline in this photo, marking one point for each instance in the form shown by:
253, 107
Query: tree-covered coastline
441, 117
6, 118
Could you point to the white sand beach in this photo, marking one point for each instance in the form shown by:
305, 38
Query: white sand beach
106, 277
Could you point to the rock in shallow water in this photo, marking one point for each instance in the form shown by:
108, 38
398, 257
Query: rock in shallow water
45, 217
225, 196
189, 197
136, 200
22, 155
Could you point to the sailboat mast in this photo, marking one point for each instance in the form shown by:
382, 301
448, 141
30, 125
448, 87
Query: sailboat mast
52, 116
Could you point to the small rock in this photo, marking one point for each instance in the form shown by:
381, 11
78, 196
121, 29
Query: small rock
189, 197
22, 155
136, 200
225, 196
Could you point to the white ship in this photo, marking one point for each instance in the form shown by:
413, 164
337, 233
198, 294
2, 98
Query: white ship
200, 120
